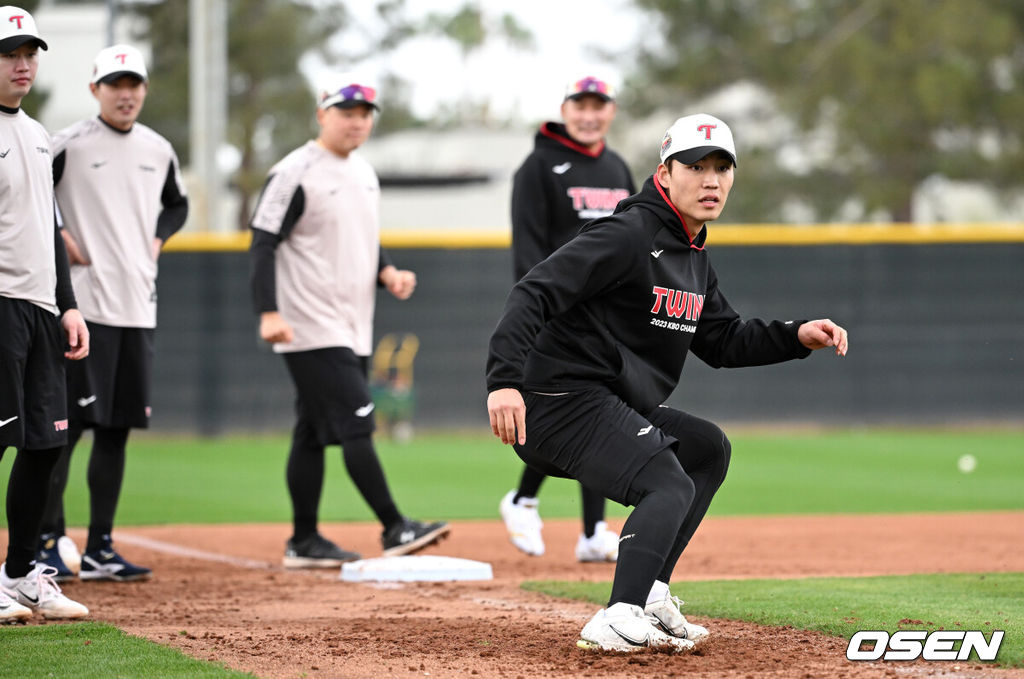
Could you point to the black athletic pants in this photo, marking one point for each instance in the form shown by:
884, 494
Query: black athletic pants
671, 495
666, 464
305, 476
105, 477
27, 489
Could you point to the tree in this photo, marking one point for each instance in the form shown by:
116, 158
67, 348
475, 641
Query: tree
889, 93
270, 105
470, 28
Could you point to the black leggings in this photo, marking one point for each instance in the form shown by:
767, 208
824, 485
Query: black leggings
105, 477
670, 495
27, 489
305, 475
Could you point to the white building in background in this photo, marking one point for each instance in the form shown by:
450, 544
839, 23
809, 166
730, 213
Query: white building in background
485, 159
74, 34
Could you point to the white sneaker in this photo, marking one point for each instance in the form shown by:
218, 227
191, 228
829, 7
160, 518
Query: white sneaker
603, 546
11, 610
523, 523
69, 553
40, 592
665, 614
624, 627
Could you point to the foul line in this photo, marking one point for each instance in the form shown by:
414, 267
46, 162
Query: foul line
178, 550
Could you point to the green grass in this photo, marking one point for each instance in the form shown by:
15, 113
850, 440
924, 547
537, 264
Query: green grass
462, 476
95, 651
453, 476
842, 606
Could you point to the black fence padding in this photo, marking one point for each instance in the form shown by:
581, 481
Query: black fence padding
937, 336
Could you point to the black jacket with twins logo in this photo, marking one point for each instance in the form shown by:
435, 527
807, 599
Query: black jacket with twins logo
620, 305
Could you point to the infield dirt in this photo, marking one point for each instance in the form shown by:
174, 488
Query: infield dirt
219, 594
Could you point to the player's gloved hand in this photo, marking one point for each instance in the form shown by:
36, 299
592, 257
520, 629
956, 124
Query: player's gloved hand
823, 333
508, 415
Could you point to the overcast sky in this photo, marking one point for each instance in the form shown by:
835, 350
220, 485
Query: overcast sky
527, 85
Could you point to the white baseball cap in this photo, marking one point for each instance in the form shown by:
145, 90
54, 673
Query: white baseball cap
16, 28
346, 90
692, 137
116, 61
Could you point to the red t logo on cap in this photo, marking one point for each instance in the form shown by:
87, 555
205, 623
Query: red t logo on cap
17, 19
121, 57
707, 130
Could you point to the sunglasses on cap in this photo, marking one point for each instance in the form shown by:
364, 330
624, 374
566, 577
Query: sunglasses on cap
358, 93
349, 94
591, 85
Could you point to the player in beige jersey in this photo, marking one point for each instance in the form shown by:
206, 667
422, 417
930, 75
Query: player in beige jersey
316, 265
37, 316
121, 197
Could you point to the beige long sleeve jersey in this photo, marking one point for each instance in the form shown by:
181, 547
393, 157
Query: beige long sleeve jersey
117, 191
28, 249
316, 252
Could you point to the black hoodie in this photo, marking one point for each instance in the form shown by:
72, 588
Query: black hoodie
620, 305
560, 187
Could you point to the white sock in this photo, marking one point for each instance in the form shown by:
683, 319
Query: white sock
659, 591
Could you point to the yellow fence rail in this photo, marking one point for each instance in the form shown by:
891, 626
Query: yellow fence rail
723, 234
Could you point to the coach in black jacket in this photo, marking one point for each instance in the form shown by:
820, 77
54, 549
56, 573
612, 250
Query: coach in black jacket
593, 340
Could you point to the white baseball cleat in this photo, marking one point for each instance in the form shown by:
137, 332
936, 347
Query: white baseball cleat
624, 627
602, 546
523, 523
665, 614
39, 592
69, 553
11, 610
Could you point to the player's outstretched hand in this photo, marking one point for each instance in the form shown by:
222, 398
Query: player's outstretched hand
274, 329
508, 415
77, 333
399, 282
823, 333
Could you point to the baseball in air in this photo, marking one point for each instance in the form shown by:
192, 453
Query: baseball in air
967, 463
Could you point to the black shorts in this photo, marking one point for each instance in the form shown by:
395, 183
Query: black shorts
333, 396
593, 437
110, 387
33, 405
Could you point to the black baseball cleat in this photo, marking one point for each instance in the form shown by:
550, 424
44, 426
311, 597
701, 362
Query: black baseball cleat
411, 536
316, 551
48, 555
107, 564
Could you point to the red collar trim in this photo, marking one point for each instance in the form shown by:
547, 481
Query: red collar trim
686, 229
566, 141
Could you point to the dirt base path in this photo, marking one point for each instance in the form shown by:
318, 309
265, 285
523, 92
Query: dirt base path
219, 594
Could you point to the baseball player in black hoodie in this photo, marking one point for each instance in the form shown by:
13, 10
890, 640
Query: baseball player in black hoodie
593, 340
570, 178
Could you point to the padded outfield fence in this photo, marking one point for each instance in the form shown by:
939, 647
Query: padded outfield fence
935, 315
